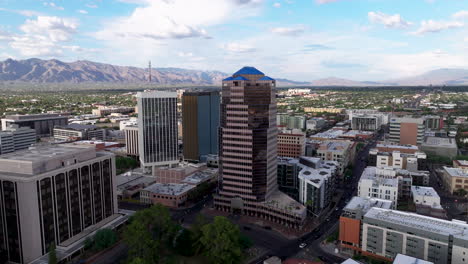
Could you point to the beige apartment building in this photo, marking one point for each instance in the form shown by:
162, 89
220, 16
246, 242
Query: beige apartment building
454, 179
342, 151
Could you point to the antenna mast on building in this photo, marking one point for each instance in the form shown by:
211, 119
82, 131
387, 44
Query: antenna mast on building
149, 70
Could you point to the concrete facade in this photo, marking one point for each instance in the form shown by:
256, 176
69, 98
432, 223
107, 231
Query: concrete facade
50, 194
131, 141
157, 129
16, 138
291, 144
386, 233
42, 123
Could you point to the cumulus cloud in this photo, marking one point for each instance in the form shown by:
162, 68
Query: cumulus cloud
82, 11
288, 31
431, 26
325, 1
460, 14
277, 5
92, 5
238, 47
53, 5
43, 36
389, 21
176, 19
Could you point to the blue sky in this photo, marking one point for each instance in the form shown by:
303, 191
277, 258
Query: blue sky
296, 39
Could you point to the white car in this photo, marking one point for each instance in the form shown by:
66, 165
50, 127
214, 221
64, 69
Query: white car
302, 245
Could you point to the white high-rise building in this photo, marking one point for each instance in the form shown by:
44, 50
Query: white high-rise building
157, 129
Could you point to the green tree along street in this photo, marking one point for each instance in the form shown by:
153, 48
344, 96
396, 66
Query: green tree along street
124, 164
152, 237
221, 241
104, 238
52, 255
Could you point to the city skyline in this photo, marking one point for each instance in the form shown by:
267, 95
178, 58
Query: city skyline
299, 40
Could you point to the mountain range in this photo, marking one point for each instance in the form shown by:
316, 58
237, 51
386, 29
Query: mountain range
55, 71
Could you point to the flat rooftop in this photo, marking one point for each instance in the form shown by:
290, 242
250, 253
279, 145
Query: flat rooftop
397, 146
453, 172
424, 191
75, 126
364, 204
283, 201
169, 188
462, 162
372, 173
200, 176
335, 146
440, 142
44, 158
332, 133
403, 259
456, 228
34, 117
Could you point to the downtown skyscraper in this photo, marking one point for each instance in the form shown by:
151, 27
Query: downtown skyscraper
157, 129
248, 150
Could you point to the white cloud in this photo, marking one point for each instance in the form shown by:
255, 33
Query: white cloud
389, 21
277, 5
82, 11
288, 31
43, 36
460, 14
176, 19
53, 5
238, 47
431, 26
92, 5
27, 13
185, 54
325, 1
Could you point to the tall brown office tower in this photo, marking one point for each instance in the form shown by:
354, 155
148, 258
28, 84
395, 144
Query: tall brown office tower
248, 150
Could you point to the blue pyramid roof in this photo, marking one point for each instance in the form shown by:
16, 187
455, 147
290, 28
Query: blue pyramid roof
240, 78
248, 71
228, 79
266, 78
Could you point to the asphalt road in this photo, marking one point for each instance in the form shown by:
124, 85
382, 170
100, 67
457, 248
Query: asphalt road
290, 248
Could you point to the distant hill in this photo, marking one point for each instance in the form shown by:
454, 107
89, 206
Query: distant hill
58, 72
55, 71
435, 77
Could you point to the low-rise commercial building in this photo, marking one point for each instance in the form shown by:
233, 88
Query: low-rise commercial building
54, 194
340, 151
386, 233
426, 196
324, 110
462, 164
375, 183
77, 132
291, 121
366, 122
168, 194
131, 183
440, 146
107, 110
16, 138
315, 123
42, 123
409, 161
291, 143
454, 179
351, 221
